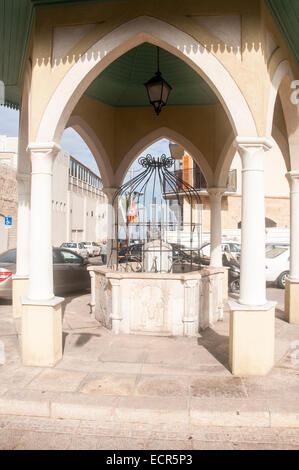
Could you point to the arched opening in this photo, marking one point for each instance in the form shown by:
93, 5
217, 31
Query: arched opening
276, 189
74, 144
125, 38
169, 135
78, 202
163, 205
283, 113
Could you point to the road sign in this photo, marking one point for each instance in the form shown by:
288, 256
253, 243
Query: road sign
8, 222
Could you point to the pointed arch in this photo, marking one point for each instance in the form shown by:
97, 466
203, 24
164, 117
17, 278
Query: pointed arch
95, 146
155, 136
125, 37
281, 84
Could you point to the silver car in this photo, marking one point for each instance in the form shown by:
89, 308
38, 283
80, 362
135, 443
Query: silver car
76, 247
70, 273
92, 248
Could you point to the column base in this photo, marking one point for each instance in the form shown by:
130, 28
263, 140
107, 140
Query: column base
20, 288
41, 332
251, 339
292, 301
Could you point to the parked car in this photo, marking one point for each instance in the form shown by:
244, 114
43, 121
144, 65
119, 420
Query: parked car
92, 248
70, 273
226, 247
181, 256
278, 265
272, 246
78, 248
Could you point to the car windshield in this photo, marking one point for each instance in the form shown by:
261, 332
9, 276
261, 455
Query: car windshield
69, 245
87, 243
8, 257
275, 252
235, 248
70, 257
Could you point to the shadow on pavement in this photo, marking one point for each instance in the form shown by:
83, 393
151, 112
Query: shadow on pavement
215, 344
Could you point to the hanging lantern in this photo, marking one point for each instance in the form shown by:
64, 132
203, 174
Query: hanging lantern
158, 89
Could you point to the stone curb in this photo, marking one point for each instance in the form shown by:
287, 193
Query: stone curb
153, 411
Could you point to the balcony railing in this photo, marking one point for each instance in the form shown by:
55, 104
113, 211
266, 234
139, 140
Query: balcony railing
195, 178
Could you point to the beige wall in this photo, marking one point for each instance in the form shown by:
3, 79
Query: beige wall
276, 209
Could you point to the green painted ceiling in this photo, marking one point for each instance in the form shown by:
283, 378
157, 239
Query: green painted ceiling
121, 84
286, 13
122, 87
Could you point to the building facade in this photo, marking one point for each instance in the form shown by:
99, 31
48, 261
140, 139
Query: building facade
8, 191
277, 192
79, 206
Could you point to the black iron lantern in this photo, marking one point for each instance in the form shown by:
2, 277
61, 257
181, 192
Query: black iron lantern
158, 89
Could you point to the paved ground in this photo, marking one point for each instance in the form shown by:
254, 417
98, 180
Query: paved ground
27, 433
136, 392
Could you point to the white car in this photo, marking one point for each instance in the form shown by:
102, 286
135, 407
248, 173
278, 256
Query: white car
227, 246
78, 248
92, 248
278, 265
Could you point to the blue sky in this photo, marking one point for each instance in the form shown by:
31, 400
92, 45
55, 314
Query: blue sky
71, 141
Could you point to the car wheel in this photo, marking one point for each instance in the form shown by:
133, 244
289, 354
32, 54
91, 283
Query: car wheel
235, 286
281, 281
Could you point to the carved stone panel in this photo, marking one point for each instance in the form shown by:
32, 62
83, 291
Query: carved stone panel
150, 309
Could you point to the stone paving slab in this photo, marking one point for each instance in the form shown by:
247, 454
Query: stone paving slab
173, 384
41, 433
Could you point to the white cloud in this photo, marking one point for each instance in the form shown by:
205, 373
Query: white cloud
72, 142
75, 145
9, 122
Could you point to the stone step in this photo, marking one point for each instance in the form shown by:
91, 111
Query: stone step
176, 413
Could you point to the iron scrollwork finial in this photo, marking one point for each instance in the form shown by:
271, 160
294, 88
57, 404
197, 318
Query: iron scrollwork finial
151, 162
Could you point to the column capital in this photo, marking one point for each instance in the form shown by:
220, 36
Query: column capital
44, 147
246, 143
190, 283
23, 180
216, 193
114, 282
42, 156
251, 150
23, 177
110, 192
293, 179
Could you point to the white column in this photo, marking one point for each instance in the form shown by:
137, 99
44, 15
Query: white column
20, 283
22, 269
41, 258
215, 195
253, 282
112, 236
293, 178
